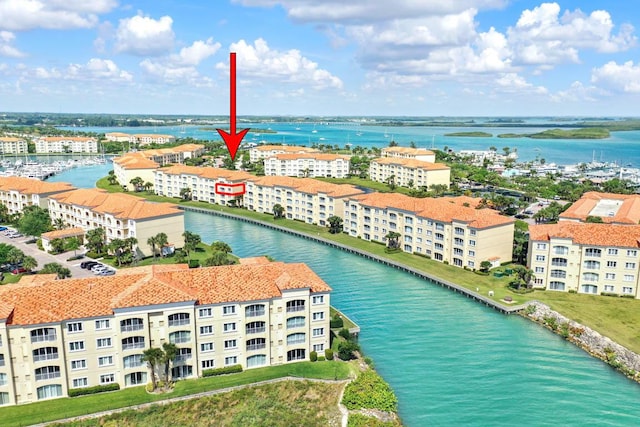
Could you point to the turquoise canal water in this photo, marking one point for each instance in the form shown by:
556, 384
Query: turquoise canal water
621, 147
451, 362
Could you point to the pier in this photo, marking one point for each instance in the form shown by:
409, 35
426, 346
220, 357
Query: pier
425, 276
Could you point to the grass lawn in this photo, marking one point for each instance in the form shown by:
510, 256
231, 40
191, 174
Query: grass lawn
616, 318
55, 409
367, 183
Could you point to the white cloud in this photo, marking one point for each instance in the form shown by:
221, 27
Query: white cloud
513, 83
578, 92
22, 15
260, 62
144, 36
543, 37
6, 49
197, 52
96, 69
621, 78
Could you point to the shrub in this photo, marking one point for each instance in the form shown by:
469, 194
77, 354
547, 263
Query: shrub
93, 390
609, 294
344, 333
347, 349
531, 309
73, 258
149, 387
321, 359
564, 329
328, 353
627, 296
445, 262
222, 371
369, 391
194, 263
551, 321
336, 322
313, 356
39, 244
573, 291
369, 361
92, 254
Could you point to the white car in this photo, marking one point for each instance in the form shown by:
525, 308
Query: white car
99, 267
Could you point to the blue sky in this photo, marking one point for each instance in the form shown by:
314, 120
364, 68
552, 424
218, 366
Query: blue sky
321, 57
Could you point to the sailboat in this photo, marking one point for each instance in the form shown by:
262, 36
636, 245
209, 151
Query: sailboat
386, 135
314, 129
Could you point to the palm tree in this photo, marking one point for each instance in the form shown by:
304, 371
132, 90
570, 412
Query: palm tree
161, 240
278, 211
118, 246
191, 242
153, 356
185, 193
392, 240
148, 186
29, 263
57, 246
221, 247
335, 224
95, 239
137, 183
152, 241
59, 224
170, 354
15, 255
72, 244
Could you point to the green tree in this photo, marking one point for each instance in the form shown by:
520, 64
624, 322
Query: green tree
170, 352
72, 244
391, 182
4, 214
59, 224
138, 183
218, 258
152, 241
191, 242
54, 268
15, 255
347, 349
153, 357
185, 193
221, 247
392, 239
118, 247
29, 263
57, 246
95, 240
594, 219
278, 211
34, 221
335, 224
148, 186
485, 266
161, 240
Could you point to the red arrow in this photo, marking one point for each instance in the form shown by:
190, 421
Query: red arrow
232, 139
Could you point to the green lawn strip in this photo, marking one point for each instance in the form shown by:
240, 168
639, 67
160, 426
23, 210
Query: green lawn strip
56, 409
367, 183
616, 318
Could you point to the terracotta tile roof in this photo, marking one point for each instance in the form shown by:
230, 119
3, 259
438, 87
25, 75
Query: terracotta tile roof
410, 163
409, 151
64, 233
308, 185
123, 206
315, 156
48, 300
445, 209
153, 135
589, 233
627, 213
10, 139
254, 260
285, 148
32, 186
117, 134
207, 172
135, 161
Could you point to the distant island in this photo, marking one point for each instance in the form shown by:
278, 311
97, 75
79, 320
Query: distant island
583, 133
470, 134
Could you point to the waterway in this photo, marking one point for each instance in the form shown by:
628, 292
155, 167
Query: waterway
620, 147
451, 362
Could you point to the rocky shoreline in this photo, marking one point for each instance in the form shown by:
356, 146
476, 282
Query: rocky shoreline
594, 343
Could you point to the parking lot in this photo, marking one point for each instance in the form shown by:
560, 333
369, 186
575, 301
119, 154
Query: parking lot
45, 258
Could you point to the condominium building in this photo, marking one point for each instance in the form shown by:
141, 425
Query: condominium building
264, 151
207, 184
16, 193
445, 229
409, 153
585, 257
66, 144
303, 199
143, 139
120, 215
612, 208
11, 145
60, 335
409, 172
307, 165
119, 137
143, 163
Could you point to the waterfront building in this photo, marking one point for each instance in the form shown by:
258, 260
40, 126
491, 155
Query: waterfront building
263, 151
409, 153
446, 229
408, 172
65, 233
206, 184
478, 157
585, 257
118, 137
61, 335
12, 145
120, 215
143, 163
612, 208
16, 193
303, 199
307, 165
66, 144
140, 139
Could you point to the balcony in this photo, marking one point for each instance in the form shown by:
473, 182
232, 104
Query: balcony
43, 357
132, 346
258, 330
47, 376
178, 322
253, 347
131, 328
43, 338
254, 313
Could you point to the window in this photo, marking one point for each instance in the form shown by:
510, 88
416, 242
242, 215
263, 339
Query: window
593, 252
556, 286
318, 332
79, 364
256, 344
541, 246
295, 305
632, 252
103, 342
472, 242
228, 344
590, 277
107, 379
592, 265
207, 346
317, 299
318, 347
472, 253
105, 360
205, 312
132, 343
560, 250
179, 337
80, 382
540, 257
130, 325
628, 277
45, 353
43, 334
257, 360
630, 265
47, 373
102, 324
74, 327
539, 269
179, 319
230, 360
627, 290
229, 309
206, 330
3, 379
608, 288
590, 289
184, 354
133, 361
229, 327
1, 359
295, 322
319, 315
610, 276
558, 274
209, 363
612, 252
297, 354
255, 327
4, 398
254, 310
298, 338
611, 264
49, 391
76, 346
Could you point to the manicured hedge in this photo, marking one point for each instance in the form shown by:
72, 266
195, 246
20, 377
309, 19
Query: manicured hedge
222, 371
93, 390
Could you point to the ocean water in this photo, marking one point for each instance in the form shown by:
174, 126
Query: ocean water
621, 147
451, 361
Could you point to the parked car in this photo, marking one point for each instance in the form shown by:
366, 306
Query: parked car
19, 270
15, 235
99, 268
88, 264
107, 272
3, 228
